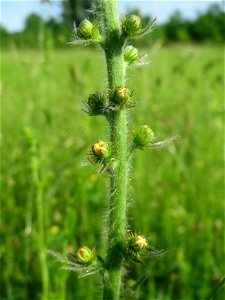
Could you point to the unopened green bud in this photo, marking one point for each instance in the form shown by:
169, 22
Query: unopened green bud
131, 25
96, 101
143, 136
130, 54
85, 255
137, 243
85, 29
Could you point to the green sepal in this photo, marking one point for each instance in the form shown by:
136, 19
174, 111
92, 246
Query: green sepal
142, 137
130, 25
133, 256
136, 30
87, 33
130, 55
135, 246
96, 104
85, 30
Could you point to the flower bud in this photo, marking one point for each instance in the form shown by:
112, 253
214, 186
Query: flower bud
85, 255
143, 136
84, 30
119, 95
101, 148
137, 243
130, 54
131, 25
96, 102
101, 152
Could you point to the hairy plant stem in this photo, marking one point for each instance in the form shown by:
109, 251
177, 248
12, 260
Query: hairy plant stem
113, 47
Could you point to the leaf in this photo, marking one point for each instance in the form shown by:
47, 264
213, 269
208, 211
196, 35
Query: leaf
61, 258
153, 252
164, 143
84, 271
147, 29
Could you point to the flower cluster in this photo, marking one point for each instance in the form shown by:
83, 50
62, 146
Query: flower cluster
101, 103
106, 154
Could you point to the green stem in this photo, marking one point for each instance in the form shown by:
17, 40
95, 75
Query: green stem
37, 182
113, 47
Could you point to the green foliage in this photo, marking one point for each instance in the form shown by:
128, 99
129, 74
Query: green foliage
4, 35
176, 29
75, 11
180, 92
207, 27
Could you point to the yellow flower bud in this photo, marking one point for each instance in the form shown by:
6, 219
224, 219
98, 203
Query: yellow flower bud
101, 153
118, 95
99, 148
136, 242
85, 255
140, 242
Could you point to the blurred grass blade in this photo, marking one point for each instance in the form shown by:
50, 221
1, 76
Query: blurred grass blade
218, 287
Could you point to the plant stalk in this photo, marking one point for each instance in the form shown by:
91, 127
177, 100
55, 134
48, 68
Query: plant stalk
113, 47
38, 185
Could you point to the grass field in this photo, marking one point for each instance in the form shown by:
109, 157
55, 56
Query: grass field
176, 194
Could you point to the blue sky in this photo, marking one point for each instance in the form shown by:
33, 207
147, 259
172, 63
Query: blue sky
13, 13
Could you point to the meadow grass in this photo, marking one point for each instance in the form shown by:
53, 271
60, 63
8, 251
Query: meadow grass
176, 194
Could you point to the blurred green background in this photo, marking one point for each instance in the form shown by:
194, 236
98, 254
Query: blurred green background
51, 201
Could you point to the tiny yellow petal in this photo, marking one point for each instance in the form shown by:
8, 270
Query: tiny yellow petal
141, 242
